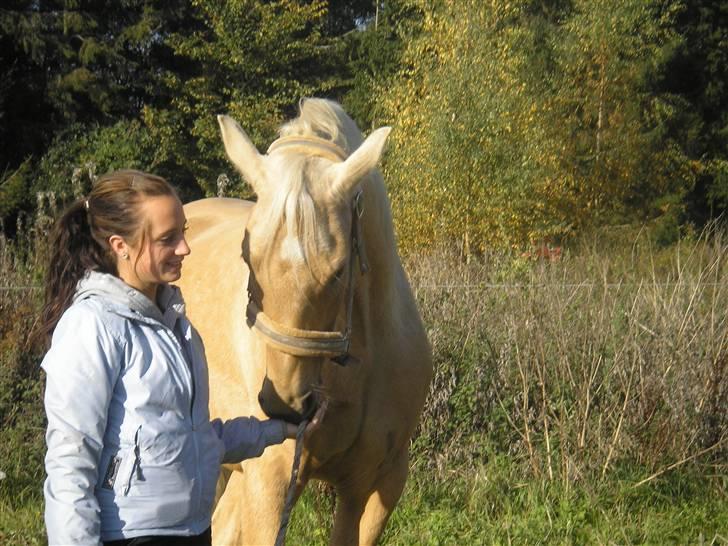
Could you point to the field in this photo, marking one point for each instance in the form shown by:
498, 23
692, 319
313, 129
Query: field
580, 400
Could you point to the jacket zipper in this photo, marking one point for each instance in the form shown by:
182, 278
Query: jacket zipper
188, 359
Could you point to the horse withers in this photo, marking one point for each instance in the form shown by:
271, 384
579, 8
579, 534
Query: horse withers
318, 308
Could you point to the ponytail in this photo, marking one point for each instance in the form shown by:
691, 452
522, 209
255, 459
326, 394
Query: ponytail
79, 240
73, 251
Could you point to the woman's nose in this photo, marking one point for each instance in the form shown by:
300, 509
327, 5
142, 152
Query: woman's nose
183, 249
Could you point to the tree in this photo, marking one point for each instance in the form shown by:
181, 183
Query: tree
70, 67
374, 56
251, 59
472, 159
692, 74
525, 121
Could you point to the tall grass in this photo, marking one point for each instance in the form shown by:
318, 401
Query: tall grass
578, 366
22, 421
576, 401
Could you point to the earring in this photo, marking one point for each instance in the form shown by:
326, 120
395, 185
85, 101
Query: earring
125, 256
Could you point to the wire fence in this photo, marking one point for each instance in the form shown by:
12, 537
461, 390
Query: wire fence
500, 286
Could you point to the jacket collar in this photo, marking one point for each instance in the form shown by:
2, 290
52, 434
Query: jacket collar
121, 298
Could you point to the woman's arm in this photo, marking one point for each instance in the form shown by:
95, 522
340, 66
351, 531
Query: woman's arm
247, 437
82, 366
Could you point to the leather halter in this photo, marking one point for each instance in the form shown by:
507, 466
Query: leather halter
315, 343
313, 146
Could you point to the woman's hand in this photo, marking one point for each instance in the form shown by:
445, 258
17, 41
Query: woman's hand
313, 425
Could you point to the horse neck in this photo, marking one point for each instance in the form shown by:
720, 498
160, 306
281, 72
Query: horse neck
379, 240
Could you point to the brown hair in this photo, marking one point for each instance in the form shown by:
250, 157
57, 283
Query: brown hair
80, 238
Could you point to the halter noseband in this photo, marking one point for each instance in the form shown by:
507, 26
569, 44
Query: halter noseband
312, 343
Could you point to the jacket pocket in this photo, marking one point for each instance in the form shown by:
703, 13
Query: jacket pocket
136, 468
112, 472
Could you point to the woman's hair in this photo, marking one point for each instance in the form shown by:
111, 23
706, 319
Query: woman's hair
79, 241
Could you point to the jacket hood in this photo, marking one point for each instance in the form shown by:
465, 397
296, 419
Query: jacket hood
113, 290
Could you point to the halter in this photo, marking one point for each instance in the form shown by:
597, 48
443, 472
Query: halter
315, 145
312, 343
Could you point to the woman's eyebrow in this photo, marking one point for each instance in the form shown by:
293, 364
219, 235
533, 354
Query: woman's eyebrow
170, 231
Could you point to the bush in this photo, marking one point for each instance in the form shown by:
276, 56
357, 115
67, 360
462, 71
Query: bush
82, 153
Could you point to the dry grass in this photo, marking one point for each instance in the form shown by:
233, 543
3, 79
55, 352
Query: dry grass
580, 366
581, 400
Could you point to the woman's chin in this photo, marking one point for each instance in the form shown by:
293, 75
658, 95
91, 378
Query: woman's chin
173, 273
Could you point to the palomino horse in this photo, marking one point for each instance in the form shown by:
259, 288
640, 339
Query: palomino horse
318, 308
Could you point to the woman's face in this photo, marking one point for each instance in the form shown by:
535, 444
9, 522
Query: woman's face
157, 256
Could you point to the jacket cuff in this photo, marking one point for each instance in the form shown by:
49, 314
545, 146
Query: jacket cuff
274, 431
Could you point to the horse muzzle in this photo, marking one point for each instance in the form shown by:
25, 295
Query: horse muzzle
294, 411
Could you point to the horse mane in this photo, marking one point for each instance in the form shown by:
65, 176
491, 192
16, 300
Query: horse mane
292, 201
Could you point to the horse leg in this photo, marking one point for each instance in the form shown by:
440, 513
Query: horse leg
361, 518
349, 509
380, 505
249, 511
222, 481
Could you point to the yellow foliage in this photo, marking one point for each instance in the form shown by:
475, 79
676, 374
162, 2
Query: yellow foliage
486, 154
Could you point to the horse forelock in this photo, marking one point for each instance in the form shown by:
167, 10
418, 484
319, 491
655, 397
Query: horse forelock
291, 205
324, 119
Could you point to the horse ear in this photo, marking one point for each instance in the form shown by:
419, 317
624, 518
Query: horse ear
363, 160
242, 152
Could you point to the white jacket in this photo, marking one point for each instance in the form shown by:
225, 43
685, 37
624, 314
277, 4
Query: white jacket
131, 449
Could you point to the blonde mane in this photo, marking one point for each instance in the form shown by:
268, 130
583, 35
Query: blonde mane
292, 204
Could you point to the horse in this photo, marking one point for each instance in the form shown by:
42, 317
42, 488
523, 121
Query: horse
312, 307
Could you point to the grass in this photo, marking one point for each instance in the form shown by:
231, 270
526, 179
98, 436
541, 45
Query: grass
580, 401
22, 422
492, 504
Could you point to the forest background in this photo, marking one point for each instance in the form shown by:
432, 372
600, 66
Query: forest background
558, 172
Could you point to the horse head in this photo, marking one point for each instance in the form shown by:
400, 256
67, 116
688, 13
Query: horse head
302, 246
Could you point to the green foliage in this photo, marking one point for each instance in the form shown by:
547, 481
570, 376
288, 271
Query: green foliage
252, 60
375, 57
14, 192
696, 71
81, 153
516, 124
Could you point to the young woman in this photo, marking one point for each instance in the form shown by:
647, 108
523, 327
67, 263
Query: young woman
133, 457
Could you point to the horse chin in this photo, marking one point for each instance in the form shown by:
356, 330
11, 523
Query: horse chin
293, 416
275, 408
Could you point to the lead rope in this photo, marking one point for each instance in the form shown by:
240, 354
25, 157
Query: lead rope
290, 495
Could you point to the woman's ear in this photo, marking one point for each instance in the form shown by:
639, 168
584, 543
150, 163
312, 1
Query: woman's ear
119, 247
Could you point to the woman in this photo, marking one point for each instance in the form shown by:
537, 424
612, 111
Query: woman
132, 454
